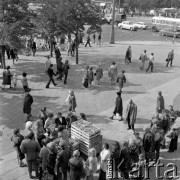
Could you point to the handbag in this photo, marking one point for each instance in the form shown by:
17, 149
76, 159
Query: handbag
166, 60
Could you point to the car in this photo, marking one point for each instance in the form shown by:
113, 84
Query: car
170, 33
127, 25
141, 25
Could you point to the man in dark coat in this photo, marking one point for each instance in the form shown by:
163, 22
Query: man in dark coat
118, 106
57, 53
31, 149
88, 41
131, 113
62, 162
50, 74
160, 103
34, 48
7, 77
60, 120
128, 55
28, 100
60, 69
170, 58
66, 69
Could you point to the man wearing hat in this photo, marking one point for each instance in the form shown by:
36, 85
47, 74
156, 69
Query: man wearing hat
28, 100
118, 106
62, 161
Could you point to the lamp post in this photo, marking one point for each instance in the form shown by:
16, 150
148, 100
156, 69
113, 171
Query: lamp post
112, 30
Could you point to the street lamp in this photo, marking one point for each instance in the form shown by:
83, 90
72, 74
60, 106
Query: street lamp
112, 29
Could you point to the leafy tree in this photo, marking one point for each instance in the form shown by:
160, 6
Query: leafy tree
15, 21
70, 16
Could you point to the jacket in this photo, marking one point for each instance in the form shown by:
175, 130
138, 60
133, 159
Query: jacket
51, 72
61, 122
31, 148
63, 159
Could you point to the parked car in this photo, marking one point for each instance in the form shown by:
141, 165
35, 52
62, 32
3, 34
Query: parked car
117, 19
141, 25
170, 33
127, 25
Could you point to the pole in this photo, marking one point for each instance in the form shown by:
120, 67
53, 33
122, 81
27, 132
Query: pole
119, 6
112, 30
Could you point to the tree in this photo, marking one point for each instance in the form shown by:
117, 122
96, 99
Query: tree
15, 21
70, 16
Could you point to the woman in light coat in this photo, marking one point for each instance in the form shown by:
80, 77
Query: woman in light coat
113, 72
91, 164
131, 113
71, 99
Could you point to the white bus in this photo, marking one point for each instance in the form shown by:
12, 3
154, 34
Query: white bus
159, 23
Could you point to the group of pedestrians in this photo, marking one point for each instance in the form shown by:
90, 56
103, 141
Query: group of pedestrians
99, 38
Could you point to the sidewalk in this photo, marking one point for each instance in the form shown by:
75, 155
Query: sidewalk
98, 104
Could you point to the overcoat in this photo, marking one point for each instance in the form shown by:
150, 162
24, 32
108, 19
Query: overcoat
118, 106
132, 112
7, 77
28, 100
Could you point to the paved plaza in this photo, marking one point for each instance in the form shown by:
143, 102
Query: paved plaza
97, 104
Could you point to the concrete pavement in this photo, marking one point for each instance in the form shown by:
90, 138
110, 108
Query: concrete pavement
141, 87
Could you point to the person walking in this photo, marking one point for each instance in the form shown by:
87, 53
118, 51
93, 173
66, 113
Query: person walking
7, 77
143, 58
121, 79
170, 58
99, 74
91, 77
50, 74
94, 38
12, 54
24, 81
113, 72
160, 103
63, 157
34, 48
47, 64
105, 155
60, 70
28, 101
66, 69
57, 54
128, 55
151, 62
131, 114
31, 149
71, 99
88, 41
118, 106
99, 39
17, 138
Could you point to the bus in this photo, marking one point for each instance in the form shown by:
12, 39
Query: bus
160, 23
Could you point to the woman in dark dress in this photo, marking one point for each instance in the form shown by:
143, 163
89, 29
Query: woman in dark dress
7, 77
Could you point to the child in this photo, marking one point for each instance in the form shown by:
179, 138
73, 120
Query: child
14, 80
24, 81
17, 138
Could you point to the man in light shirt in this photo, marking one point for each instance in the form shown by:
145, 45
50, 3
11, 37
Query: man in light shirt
151, 60
105, 155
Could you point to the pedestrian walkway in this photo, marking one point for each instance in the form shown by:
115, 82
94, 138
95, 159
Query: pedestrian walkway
98, 104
